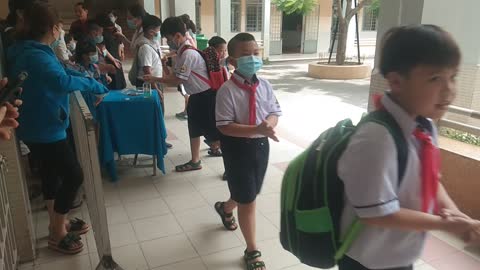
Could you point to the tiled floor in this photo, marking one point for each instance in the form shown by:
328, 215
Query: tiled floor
168, 222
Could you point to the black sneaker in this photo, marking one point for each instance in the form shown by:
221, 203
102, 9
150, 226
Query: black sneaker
169, 145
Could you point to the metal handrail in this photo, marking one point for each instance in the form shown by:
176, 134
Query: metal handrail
461, 126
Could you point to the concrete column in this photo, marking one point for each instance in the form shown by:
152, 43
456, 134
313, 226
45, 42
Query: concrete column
266, 28
223, 18
459, 19
324, 26
149, 6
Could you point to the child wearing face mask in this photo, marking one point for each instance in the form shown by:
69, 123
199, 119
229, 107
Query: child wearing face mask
246, 114
71, 44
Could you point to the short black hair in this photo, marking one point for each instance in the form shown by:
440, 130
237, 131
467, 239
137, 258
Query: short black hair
188, 22
406, 47
150, 22
171, 26
82, 4
113, 12
215, 41
137, 11
242, 37
84, 47
103, 20
68, 38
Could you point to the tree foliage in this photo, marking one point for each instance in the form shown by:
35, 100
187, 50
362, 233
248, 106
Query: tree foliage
296, 6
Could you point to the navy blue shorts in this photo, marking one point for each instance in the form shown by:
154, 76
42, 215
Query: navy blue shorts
246, 162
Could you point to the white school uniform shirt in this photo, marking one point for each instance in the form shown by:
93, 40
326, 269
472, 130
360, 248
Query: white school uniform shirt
187, 61
233, 103
149, 55
369, 170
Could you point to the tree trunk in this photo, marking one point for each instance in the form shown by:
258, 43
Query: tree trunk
342, 41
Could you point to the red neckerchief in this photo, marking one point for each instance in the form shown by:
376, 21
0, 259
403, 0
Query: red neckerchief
430, 163
252, 90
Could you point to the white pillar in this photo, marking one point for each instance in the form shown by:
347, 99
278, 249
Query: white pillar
459, 18
223, 18
149, 6
266, 28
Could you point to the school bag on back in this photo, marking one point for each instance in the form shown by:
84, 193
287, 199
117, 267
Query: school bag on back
312, 196
216, 73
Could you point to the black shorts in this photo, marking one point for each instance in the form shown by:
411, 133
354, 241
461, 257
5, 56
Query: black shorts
347, 263
201, 115
246, 162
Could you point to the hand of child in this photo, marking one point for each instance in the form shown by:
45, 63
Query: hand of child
473, 236
462, 227
266, 129
117, 63
149, 78
446, 213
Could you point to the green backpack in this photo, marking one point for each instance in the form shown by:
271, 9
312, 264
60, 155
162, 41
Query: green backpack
312, 196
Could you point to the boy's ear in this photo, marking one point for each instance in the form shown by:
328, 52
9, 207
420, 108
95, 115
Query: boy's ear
395, 81
232, 61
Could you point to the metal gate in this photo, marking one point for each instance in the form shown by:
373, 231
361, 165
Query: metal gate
8, 247
86, 145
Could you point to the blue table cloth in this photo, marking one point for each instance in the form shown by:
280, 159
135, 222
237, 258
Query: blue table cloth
130, 125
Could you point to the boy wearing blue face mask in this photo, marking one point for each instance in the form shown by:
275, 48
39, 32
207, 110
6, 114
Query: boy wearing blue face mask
149, 61
246, 114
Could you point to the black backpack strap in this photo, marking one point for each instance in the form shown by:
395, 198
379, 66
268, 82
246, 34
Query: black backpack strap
385, 119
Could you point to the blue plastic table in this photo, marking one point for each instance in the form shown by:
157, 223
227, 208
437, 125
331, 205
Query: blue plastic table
131, 125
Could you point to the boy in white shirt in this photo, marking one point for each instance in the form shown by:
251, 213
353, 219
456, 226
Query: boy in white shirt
420, 63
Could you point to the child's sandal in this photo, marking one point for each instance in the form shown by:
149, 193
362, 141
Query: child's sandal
70, 244
189, 166
250, 257
78, 226
215, 152
231, 224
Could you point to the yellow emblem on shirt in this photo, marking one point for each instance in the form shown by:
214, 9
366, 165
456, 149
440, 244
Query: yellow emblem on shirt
183, 69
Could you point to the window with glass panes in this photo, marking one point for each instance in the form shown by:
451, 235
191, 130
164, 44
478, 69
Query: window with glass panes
236, 9
370, 19
254, 15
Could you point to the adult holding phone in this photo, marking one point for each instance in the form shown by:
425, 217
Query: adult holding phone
44, 118
8, 114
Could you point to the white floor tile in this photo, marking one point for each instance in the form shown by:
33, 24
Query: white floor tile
135, 193
216, 194
127, 257
156, 227
194, 264
275, 256
231, 259
122, 235
168, 250
268, 203
70, 263
186, 201
116, 215
265, 230
174, 187
213, 240
199, 219
148, 208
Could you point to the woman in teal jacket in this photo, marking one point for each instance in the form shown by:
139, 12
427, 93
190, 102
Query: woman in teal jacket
44, 118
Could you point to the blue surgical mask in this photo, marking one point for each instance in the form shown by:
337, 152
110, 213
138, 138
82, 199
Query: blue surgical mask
98, 39
172, 45
249, 65
157, 37
94, 58
131, 24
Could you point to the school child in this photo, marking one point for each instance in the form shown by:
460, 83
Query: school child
246, 113
71, 44
420, 64
191, 71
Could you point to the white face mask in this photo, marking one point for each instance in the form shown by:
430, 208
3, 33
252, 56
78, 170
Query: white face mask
112, 18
